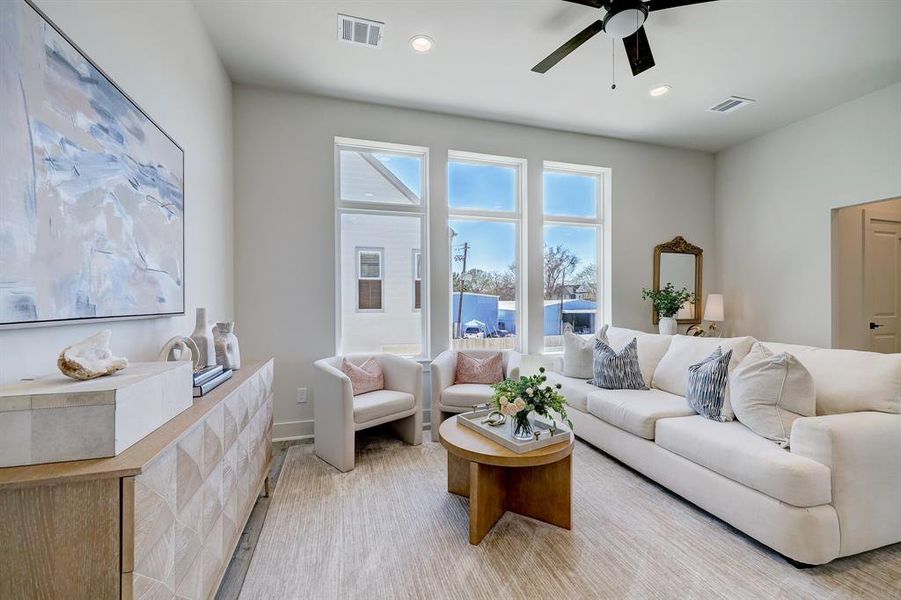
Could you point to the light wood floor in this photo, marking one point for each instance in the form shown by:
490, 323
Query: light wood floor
389, 529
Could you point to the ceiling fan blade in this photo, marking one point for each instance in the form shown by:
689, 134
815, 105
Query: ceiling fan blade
639, 51
591, 3
664, 4
564, 50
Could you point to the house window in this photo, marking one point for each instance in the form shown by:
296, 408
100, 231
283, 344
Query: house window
417, 280
485, 223
381, 211
573, 219
369, 278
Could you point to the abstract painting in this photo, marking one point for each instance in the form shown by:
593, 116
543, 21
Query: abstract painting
91, 189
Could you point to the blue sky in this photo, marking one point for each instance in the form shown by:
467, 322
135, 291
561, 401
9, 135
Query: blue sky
493, 187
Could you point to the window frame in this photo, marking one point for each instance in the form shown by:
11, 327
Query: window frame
367, 207
417, 278
517, 216
598, 222
358, 252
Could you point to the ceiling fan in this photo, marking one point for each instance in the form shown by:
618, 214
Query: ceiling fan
624, 19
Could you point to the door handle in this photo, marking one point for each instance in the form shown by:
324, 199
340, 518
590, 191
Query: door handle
875, 325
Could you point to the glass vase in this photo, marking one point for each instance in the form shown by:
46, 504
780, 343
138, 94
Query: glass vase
521, 426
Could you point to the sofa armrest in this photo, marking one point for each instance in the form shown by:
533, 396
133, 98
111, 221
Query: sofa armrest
442, 372
863, 450
514, 364
334, 394
402, 375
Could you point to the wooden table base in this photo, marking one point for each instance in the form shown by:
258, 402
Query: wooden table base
542, 492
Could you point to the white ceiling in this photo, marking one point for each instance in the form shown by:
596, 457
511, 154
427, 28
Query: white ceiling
795, 57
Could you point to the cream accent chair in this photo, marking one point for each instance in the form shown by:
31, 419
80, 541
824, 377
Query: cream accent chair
449, 398
338, 414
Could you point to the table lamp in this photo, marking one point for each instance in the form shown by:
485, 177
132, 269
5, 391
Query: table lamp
713, 311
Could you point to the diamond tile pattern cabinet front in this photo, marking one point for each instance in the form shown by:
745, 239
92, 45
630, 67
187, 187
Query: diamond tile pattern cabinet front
191, 503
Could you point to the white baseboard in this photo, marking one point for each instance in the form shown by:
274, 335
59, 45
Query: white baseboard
292, 430
303, 430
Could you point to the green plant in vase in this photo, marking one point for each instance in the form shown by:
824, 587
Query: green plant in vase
517, 398
667, 302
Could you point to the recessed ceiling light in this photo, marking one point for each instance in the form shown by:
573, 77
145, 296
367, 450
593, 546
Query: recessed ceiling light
660, 90
421, 43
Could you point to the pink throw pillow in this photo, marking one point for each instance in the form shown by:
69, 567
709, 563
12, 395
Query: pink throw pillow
367, 377
488, 370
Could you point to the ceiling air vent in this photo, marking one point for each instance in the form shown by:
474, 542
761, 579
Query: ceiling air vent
731, 104
355, 30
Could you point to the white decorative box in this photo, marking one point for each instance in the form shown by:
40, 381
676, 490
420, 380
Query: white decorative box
55, 418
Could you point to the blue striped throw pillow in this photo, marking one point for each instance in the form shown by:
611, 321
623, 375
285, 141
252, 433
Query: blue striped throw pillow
617, 370
707, 384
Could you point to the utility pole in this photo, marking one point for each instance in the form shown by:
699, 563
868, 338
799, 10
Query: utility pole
462, 283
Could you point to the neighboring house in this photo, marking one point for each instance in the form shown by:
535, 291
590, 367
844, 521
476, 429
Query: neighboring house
380, 263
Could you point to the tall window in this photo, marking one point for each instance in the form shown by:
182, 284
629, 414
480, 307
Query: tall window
485, 220
572, 250
381, 211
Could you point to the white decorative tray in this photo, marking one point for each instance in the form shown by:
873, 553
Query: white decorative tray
545, 435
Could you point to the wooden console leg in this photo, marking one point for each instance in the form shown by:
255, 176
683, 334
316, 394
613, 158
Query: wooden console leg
486, 499
543, 493
266, 487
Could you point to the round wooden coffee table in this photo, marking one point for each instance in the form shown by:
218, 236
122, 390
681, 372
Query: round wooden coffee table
536, 484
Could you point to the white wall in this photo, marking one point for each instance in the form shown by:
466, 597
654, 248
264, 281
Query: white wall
159, 53
774, 197
284, 210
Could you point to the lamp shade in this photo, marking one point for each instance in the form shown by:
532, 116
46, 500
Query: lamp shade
713, 309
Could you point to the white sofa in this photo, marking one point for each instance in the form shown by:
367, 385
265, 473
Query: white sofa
449, 398
835, 492
338, 414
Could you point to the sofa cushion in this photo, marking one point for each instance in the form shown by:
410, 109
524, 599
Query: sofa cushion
465, 395
578, 354
672, 372
651, 348
479, 369
850, 380
770, 391
636, 411
707, 385
574, 389
381, 403
617, 370
367, 377
736, 452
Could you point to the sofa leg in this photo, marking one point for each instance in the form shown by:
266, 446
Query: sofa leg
408, 429
798, 565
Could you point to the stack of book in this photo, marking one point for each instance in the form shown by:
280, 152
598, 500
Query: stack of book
209, 378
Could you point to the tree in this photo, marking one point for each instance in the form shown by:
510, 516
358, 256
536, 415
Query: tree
587, 277
559, 265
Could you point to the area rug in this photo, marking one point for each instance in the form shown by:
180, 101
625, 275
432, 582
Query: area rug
388, 529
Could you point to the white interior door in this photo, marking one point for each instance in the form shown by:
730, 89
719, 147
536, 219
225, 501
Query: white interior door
882, 281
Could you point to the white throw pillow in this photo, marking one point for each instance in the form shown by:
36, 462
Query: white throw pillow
769, 391
671, 374
578, 353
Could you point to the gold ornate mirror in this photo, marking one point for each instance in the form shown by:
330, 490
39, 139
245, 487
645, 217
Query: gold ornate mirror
680, 263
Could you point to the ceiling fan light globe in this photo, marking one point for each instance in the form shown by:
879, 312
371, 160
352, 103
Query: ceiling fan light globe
625, 22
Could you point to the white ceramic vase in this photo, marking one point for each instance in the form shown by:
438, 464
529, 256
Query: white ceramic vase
668, 325
204, 340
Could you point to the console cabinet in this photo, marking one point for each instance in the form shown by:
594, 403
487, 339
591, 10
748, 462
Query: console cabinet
161, 520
